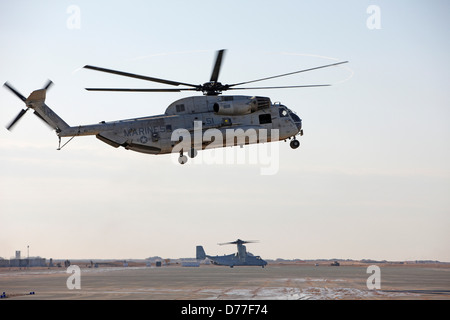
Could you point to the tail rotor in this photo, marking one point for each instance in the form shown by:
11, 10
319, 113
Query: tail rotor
22, 97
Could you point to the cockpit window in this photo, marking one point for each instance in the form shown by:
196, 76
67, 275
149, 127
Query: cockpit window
283, 112
295, 117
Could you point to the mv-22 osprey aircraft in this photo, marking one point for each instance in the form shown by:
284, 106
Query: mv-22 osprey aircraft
154, 134
241, 258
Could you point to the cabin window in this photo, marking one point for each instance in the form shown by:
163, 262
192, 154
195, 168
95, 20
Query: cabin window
180, 107
168, 127
265, 118
227, 98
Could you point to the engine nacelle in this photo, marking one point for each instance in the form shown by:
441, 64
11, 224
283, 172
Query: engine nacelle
241, 107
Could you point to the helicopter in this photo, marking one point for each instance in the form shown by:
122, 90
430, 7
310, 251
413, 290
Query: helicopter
229, 120
241, 258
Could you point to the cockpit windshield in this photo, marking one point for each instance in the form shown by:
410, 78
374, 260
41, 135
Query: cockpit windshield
295, 117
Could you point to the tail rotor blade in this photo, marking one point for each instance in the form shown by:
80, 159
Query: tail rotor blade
48, 84
13, 90
17, 118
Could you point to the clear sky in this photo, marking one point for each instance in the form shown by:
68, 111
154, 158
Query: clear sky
371, 178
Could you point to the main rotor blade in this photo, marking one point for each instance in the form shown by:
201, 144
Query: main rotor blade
250, 241
283, 87
137, 76
21, 113
238, 241
224, 243
288, 74
216, 69
17, 93
141, 90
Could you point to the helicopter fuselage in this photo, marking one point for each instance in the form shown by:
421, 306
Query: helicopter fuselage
189, 124
232, 260
240, 258
236, 120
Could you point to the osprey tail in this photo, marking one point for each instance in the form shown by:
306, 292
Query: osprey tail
200, 255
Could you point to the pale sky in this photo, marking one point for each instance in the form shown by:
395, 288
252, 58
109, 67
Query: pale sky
371, 178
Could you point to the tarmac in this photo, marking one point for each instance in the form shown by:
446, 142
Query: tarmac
208, 282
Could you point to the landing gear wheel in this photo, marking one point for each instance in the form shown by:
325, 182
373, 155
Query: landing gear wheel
295, 144
182, 159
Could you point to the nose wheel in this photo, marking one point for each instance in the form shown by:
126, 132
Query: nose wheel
295, 144
182, 159
192, 153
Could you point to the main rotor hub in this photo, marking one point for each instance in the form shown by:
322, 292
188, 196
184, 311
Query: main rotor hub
213, 88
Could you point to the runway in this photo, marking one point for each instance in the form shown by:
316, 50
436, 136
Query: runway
275, 282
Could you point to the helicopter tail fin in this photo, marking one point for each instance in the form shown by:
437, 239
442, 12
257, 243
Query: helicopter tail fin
200, 255
36, 101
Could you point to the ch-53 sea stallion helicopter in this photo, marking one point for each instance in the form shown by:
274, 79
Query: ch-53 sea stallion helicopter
240, 258
250, 117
